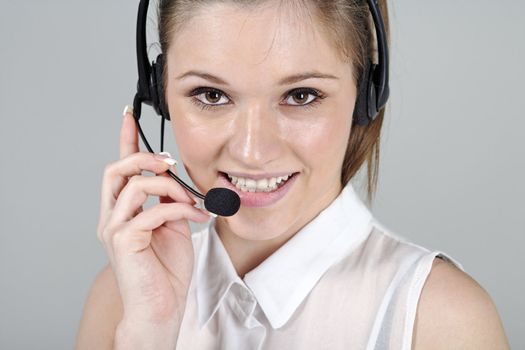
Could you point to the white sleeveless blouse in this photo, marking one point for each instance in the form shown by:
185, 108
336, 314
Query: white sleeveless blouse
342, 282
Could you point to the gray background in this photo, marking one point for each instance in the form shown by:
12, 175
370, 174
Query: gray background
452, 161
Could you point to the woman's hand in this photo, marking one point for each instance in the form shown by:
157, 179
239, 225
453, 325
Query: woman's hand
150, 251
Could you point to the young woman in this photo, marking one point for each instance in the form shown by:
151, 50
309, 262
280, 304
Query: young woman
261, 96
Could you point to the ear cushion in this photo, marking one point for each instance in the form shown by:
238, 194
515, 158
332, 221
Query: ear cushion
360, 116
365, 109
372, 93
157, 88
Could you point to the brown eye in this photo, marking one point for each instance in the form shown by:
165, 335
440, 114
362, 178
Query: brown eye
213, 96
300, 97
206, 97
303, 97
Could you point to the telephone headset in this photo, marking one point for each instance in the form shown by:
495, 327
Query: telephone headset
373, 92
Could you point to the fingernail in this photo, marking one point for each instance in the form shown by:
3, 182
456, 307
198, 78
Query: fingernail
166, 154
127, 109
165, 158
208, 213
200, 205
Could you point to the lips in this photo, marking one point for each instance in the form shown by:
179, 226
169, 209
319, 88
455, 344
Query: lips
259, 199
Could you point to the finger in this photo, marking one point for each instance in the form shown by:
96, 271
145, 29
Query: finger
135, 193
116, 176
128, 134
159, 214
173, 169
190, 195
135, 236
166, 199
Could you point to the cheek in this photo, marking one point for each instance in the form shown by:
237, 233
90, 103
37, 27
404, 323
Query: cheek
197, 143
324, 140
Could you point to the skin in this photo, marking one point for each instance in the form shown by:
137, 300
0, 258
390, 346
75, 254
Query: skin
257, 132
264, 127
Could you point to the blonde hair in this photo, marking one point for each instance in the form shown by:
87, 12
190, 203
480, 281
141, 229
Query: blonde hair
351, 29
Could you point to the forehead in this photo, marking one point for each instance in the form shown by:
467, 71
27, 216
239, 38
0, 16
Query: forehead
268, 40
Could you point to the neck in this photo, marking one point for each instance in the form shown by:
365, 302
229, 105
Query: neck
247, 254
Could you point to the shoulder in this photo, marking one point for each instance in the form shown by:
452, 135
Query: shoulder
455, 312
102, 313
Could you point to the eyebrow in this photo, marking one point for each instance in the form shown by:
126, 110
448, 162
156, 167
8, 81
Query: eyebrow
285, 81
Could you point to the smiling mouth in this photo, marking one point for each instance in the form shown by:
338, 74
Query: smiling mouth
262, 185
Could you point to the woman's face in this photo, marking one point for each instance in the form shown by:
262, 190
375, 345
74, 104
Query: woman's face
245, 114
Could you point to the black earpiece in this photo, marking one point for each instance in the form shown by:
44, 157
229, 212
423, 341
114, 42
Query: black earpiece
150, 89
373, 89
157, 88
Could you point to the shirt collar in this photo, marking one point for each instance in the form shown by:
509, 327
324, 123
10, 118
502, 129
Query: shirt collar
282, 281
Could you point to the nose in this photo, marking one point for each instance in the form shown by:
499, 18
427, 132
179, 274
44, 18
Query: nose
256, 138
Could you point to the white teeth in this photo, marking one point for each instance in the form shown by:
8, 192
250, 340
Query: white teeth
262, 185
240, 181
249, 183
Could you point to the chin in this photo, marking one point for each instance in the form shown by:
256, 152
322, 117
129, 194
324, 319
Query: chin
256, 227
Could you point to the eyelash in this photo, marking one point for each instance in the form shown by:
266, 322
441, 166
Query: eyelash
205, 106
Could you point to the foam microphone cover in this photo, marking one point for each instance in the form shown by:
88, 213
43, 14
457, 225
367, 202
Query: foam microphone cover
222, 201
